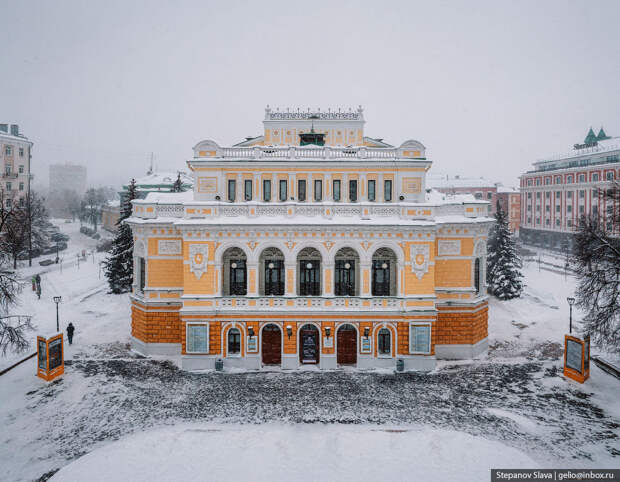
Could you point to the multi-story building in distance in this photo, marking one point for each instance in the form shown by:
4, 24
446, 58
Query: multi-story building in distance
561, 189
15, 157
509, 200
479, 187
310, 244
67, 185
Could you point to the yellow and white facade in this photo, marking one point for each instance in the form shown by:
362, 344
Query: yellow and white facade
330, 253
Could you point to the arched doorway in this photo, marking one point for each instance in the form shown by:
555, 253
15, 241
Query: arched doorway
346, 341
346, 273
309, 274
309, 346
271, 272
384, 263
234, 272
271, 345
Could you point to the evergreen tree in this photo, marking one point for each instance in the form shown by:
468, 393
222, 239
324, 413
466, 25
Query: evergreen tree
119, 264
178, 184
503, 262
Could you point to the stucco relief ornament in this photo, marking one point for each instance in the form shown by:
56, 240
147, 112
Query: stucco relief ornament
419, 259
481, 248
198, 255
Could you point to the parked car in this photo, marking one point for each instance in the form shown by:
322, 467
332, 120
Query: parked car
56, 237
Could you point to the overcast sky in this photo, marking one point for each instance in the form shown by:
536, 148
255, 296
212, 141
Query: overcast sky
488, 87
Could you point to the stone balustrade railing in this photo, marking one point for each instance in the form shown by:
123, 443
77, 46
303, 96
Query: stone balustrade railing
312, 152
275, 303
327, 210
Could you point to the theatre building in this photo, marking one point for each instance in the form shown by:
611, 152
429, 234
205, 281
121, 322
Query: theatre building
310, 244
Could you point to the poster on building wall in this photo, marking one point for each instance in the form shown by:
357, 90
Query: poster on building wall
366, 344
328, 342
252, 344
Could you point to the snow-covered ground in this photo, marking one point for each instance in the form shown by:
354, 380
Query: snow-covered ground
510, 408
336, 452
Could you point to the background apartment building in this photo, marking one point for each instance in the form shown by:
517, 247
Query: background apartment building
509, 199
15, 157
562, 188
67, 184
479, 187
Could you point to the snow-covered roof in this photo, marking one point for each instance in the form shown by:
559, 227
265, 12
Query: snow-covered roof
170, 197
605, 145
165, 178
510, 190
444, 182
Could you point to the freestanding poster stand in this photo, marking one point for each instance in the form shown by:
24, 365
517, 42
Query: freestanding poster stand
577, 358
50, 357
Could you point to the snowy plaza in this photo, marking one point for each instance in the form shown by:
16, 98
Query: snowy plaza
324, 241
513, 404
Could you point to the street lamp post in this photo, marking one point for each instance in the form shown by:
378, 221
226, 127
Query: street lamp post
571, 302
57, 300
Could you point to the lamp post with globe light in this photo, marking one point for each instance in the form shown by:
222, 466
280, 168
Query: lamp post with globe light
57, 299
571, 302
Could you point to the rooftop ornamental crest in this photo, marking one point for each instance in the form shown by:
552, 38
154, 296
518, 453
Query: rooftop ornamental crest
300, 115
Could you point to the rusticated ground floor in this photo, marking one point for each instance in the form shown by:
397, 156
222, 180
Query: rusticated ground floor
292, 340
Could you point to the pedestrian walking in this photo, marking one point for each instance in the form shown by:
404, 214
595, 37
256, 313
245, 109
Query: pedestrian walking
37, 278
34, 283
70, 330
39, 291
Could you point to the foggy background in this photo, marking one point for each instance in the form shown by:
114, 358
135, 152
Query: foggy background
488, 87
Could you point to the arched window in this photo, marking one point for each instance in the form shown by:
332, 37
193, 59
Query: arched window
271, 272
309, 279
234, 272
234, 341
384, 272
477, 275
346, 273
384, 342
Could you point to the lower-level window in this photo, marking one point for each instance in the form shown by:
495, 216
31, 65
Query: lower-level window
420, 338
234, 341
197, 338
385, 345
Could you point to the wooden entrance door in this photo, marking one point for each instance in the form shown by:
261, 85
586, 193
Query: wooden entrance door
309, 344
347, 345
271, 345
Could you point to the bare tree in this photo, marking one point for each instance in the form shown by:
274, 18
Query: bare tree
13, 333
597, 252
35, 215
15, 235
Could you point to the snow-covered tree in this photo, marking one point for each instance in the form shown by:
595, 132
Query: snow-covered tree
597, 255
178, 184
119, 264
503, 261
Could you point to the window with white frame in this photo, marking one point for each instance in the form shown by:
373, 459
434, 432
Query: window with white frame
610, 176
420, 338
197, 338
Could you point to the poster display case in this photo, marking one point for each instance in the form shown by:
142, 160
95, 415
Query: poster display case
577, 358
50, 356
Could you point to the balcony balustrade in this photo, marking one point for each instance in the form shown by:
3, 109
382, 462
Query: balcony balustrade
302, 303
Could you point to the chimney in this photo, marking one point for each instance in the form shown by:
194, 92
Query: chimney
14, 130
4, 128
